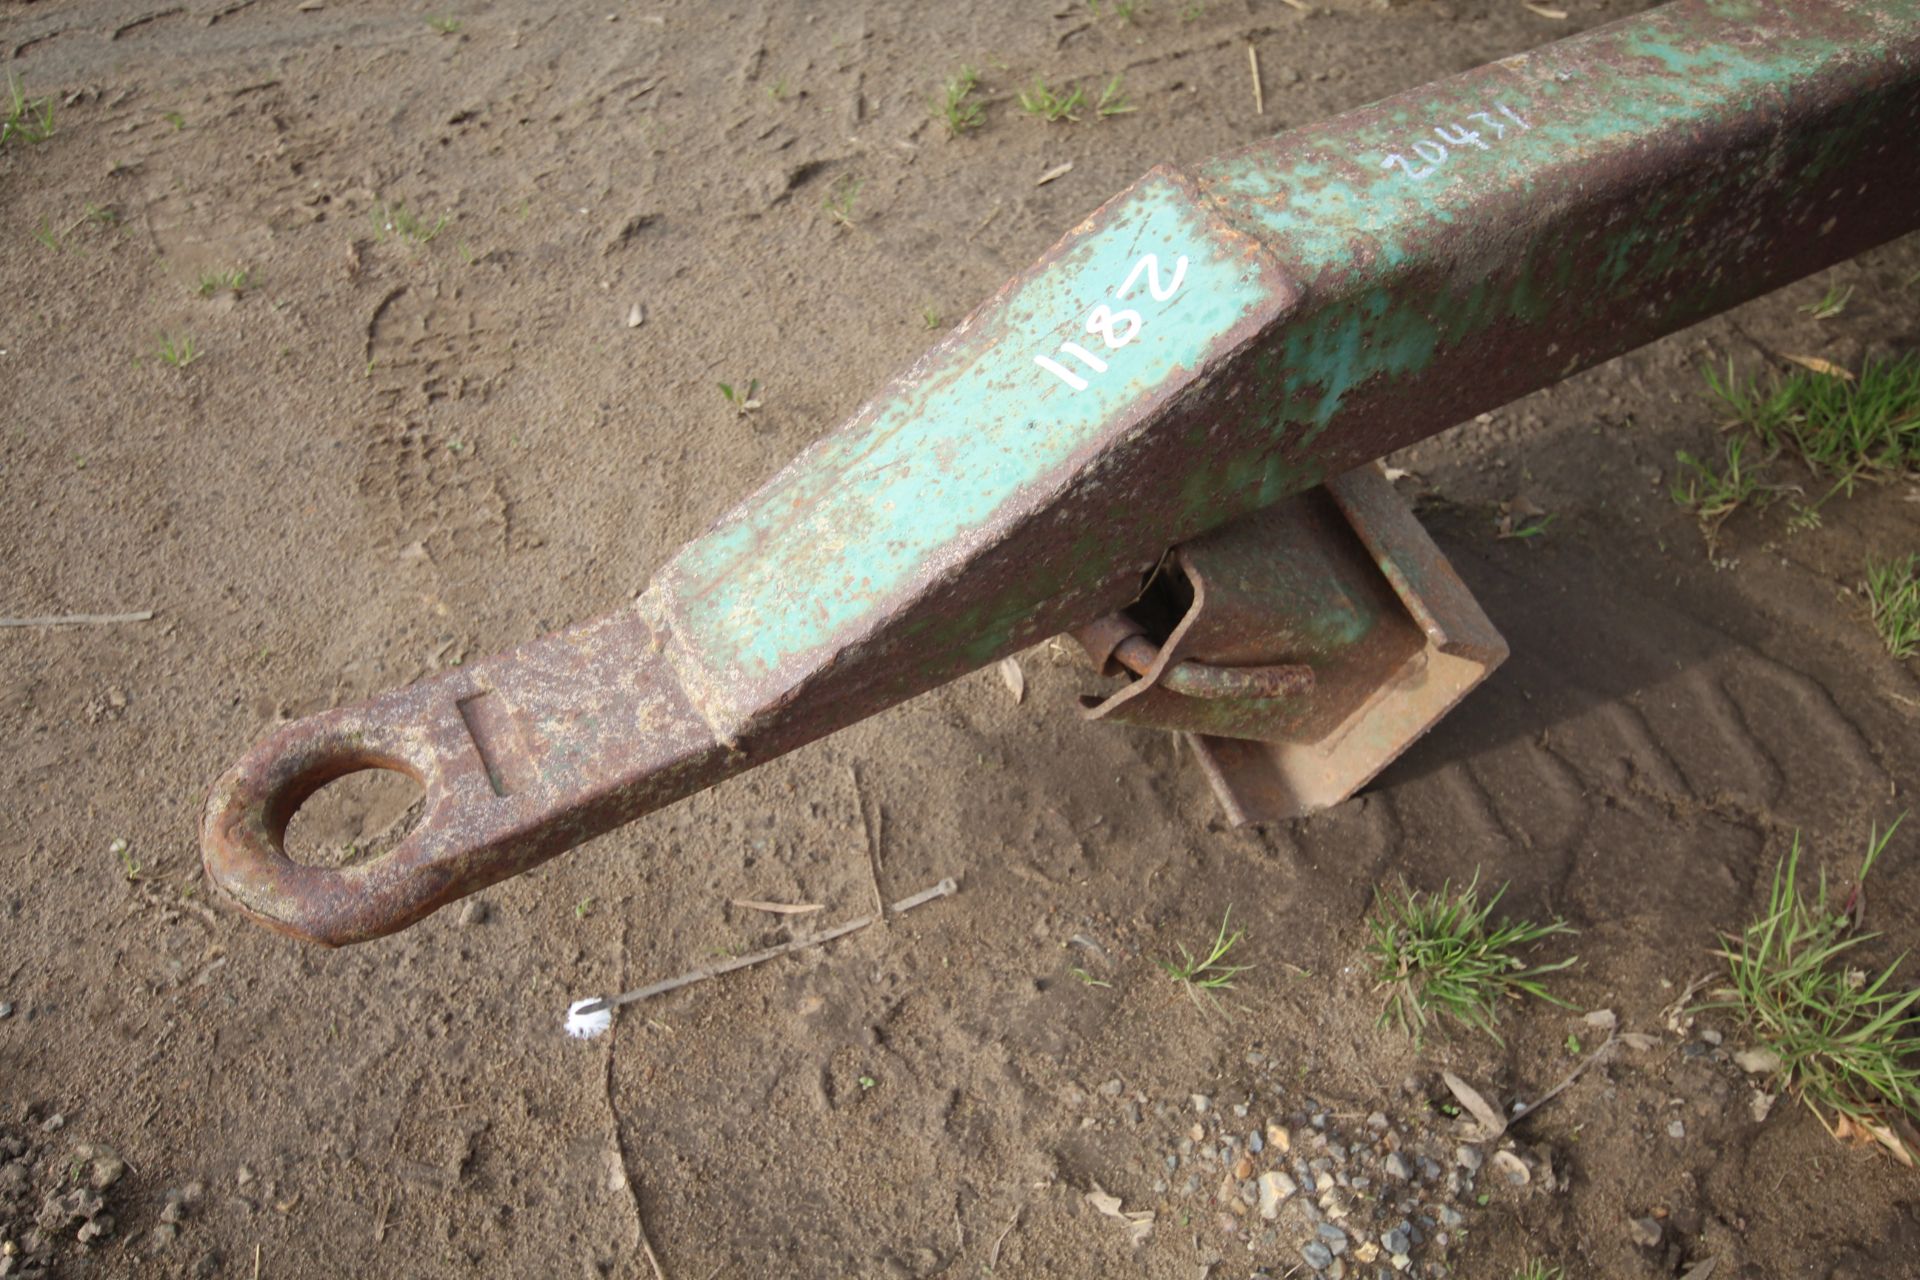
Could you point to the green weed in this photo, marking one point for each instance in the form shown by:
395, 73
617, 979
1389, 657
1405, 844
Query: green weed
1538, 1269
1847, 1041
956, 107
178, 352
444, 25
1210, 974
1831, 303
1437, 954
1712, 495
931, 317
1043, 103
1844, 429
1112, 101
396, 220
175, 119
233, 280
47, 236
744, 402
840, 199
129, 866
29, 120
1893, 595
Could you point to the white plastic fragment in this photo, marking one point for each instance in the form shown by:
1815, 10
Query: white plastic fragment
588, 1025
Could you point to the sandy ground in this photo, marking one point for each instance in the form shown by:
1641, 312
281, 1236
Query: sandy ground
390, 456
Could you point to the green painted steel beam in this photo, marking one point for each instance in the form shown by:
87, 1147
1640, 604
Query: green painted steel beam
1205, 344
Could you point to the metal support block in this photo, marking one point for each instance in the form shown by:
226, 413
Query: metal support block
1341, 588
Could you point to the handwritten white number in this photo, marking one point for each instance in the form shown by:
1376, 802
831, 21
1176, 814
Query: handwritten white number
1115, 328
1499, 130
1435, 154
1411, 172
1061, 372
1105, 320
1461, 138
1150, 263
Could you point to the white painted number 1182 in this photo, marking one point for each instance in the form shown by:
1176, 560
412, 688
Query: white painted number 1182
1115, 328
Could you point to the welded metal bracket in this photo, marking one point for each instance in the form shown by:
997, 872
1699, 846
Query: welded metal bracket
1340, 582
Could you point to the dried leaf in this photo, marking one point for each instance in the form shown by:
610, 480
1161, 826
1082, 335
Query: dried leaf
1704, 1271
779, 908
1016, 678
1601, 1019
1058, 171
1558, 15
1757, 1062
1396, 473
1639, 1040
1760, 1105
1139, 1223
1818, 365
1492, 1123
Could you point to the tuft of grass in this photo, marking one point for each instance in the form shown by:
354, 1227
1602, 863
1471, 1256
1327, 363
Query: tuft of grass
779, 90
1893, 595
444, 25
1087, 978
1844, 429
233, 280
931, 317
396, 220
175, 119
129, 865
1831, 303
28, 120
1847, 1041
47, 236
840, 199
1437, 954
1539, 1269
1712, 495
743, 402
1112, 101
956, 108
178, 352
1043, 103
1210, 974
1128, 11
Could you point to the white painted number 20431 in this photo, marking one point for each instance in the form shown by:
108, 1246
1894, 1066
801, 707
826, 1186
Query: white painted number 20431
1435, 153
1115, 326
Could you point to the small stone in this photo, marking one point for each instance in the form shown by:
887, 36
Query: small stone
1429, 1170
1243, 1168
1468, 1158
475, 912
53, 1122
1275, 1187
1757, 1062
1644, 1232
1201, 1102
1279, 1139
1317, 1255
1112, 1088
94, 1228
242, 1176
6, 1010
163, 1234
1451, 1217
1402, 1261
1676, 1129
107, 1170
1396, 1241
636, 316
1377, 1121
1396, 1167
1710, 1035
1512, 1168
1255, 1143
1333, 1237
